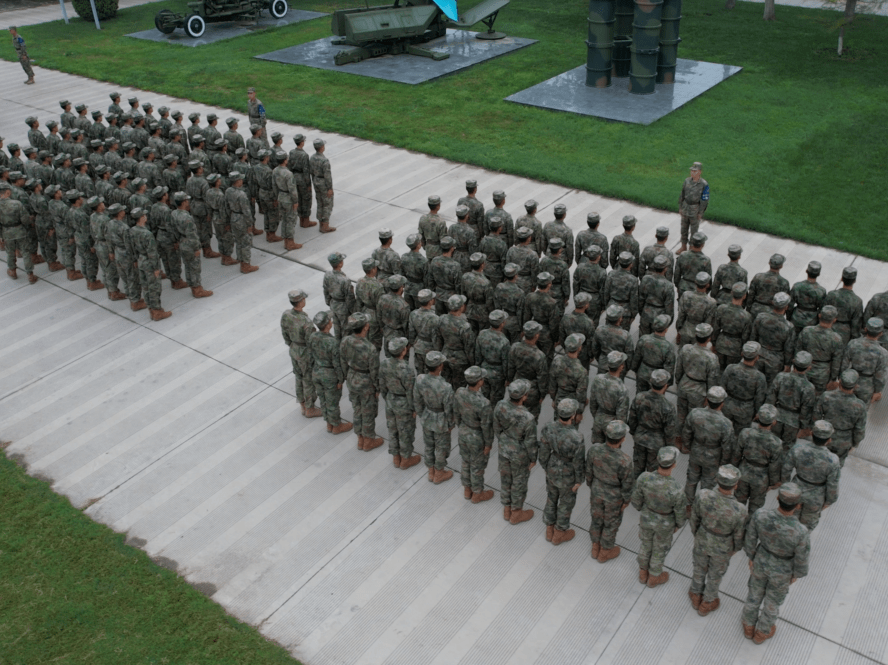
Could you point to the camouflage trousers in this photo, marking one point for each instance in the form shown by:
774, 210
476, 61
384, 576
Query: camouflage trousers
767, 590
192, 267
204, 227
474, 461
599, 424
129, 275
47, 242
169, 256
325, 205
644, 459
288, 217
864, 390
702, 467
605, 509
437, 448
560, 502
271, 217
646, 322
324, 381
813, 497
655, 545
724, 360
844, 330
26, 65
456, 366
709, 569
243, 239
546, 344
339, 314
770, 364
305, 387
753, 487
494, 387
787, 434
739, 412
514, 474
401, 423
419, 365
688, 400
109, 267
374, 334
365, 407
304, 206
841, 445
89, 264
152, 287
22, 245
689, 226
224, 237
67, 250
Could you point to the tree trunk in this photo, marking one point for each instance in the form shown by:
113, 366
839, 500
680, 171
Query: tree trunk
850, 6
770, 13
730, 4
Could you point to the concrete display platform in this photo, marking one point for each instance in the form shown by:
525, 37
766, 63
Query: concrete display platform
216, 32
185, 435
568, 92
464, 49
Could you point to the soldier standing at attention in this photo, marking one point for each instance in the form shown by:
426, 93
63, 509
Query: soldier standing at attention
541, 307
621, 289
268, 204
656, 295
817, 473
746, 387
296, 329
718, 523
459, 340
558, 228
694, 307
368, 291
610, 478
433, 402
651, 252
285, 191
326, 371
688, 266
765, 285
608, 397
727, 275
653, 352
478, 292
848, 305
846, 413
464, 238
562, 455
524, 256
825, 346
13, 217
651, 422
554, 264
255, 109
415, 267
731, 327
577, 322
710, 437
515, 429
626, 243
423, 331
432, 228
445, 274
590, 277
696, 371
115, 107
794, 396
241, 220
663, 507
527, 362
494, 248
476, 209
568, 379
392, 312
591, 236
807, 298
778, 547
777, 337
474, 418
499, 203
18, 44
611, 337
530, 221
509, 297
396, 382
322, 178
145, 250
387, 258
359, 361
867, 356
759, 454
299, 163
692, 204
877, 307
339, 294
492, 354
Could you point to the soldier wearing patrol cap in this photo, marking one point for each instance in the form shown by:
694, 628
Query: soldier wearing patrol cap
807, 298
392, 312
590, 277
867, 356
759, 455
494, 247
148, 258
709, 435
656, 294
509, 297
849, 307
464, 237
235, 140
778, 547
339, 295
241, 211
559, 228
299, 163
476, 209
368, 291
727, 275
608, 396
445, 274
746, 387
694, 307
525, 257
528, 362
423, 331
499, 202
794, 396
396, 383
474, 418
652, 422
388, 259
653, 352
478, 292
621, 289
591, 236
776, 335
415, 267
612, 337
322, 179
692, 203
541, 307
515, 429
459, 340
13, 218
625, 242
659, 248
432, 228
663, 507
492, 349
568, 379
765, 285
825, 346
577, 321
845, 412
433, 403
610, 478
186, 235
360, 362
718, 523
731, 327
817, 472
561, 454
530, 221
327, 372
877, 307
554, 264
22, 52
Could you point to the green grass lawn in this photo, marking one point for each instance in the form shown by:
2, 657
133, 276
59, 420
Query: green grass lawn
793, 145
72, 592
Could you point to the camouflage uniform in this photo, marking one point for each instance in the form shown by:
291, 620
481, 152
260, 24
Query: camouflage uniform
541, 307
588, 237
415, 267
507, 222
724, 279
610, 337
359, 361
807, 299
196, 187
98, 224
297, 328
13, 217
433, 402
492, 354
590, 278
528, 265
747, 390
515, 430
696, 371
652, 422
529, 363
220, 216
558, 229
22, 52
509, 297
476, 214
662, 505
608, 400
692, 204
241, 220
474, 417
687, 266
327, 374
652, 353
759, 455
432, 228
495, 249
578, 322
870, 360
424, 335
648, 255
625, 243
718, 523
850, 308
466, 244
145, 252
825, 347
531, 222
817, 473
794, 396
393, 315
562, 452
568, 379
777, 337
322, 179
656, 296
389, 262
78, 219
557, 267
731, 328
610, 478
877, 307
762, 289
368, 290
299, 163
445, 276
265, 196
339, 295
286, 192
621, 289
396, 384
710, 437
479, 297
847, 414
459, 346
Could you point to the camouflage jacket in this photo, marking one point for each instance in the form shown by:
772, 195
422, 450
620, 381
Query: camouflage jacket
825, 346
817, 471
653, 420
562, 455
528, 264
850, 308
718, 523
653, 352
296, 328
423, 331
694, 197
621, 288
776, 335
625, 242
746, 385
541, 307
782, 541
393, 313
432, 228
561, 276
878, 307
415, 267
657, 293
321, 175
389, 263
515, 429
869, 359
339, 293
476, 212
509, 297
661, 501
495, 248
558, 229
479, 297
590, 278
709, 435
731, 328
492, 352
609, 396
466, 244
185, 231
609, 338
807, 299
844, 412
725, 277
459, 339
687, 265
145, 249
609, 471
648, 255
578, 322
764, 287
508, 231
325, 362
793, 395
397, 380
473, 411
531, 222
568, 378
758, 450
696, 369
368, 291
585, 239
528, 362
445, 275
433, 402
693, 308
359, 361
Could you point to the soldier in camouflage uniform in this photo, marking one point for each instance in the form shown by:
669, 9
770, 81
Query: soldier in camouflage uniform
870, 360
765, 285
554, 264
612, 337
148, 259
817, 473
368, 290
656, 295
590, 277
285, 192
392, 312
621, 289
731, 327
476, 216
577, 322
746, 387
568, 379
694, 307
558, 228
474, 418
388, 259
727, 275
530, 221
663, 507
326, 371
322, 179
525, 257
13, 217
515, 429
98, 224
494, 248
492, 349
709, 435
610, 478
22, 52
794, 396
718, 523
396, 384
653, 352
241, 220
415, 267
339, 295
846, 413
692, 204
78, 219
591, 236
499, 202
651, 252
359, 361
759, 454
807, 298
459, 340
541, 307
296, 329
433, 402
423, 332
266, 198
299, 163
478, 292
825, 346
849, 306
696, 371
528, 362
778, 547
626, 243
690, 264
464, 238
432, 228
608, 397
445, 274
509, 297
562, 455
777, 337
652, 420
877, 307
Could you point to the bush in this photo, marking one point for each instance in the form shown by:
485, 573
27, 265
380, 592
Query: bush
105, 8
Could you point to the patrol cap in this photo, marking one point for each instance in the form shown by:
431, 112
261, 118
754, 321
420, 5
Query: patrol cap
30, 120
593, 251
828, 313
532, 329
80, 107
4, 186
781, 300
114, 95
560, 209
496, 317
234, 176
220, 142
727, 476
666, 456
511, 269
434, 200
112, 116
163, 109
169, 159
133, 100
662, 322
473, 374
544, 278
194, 165
698, 239
498, 195
319, 143
629, 221
582, 298
573, 342
659, 378
74, 134
425, 295
435, 359
73, 195
213, 178
751, 350
447, 242
613, 313
335, 258
524, 232
176, 114
78, 162
178, 197
358, 320
255, 128
567, 408
159, 191
138, 182
210, 116
593, 219
823, 429
395, 282
777, 260
477, 259
556, 243
703, 330
696, 166
369, 264
18, 175
31, 183
413, 240
52, 123
397, 344
734, 251
321, 319
767, 414
95, 143
251, 89
63, 103
849, 378
531, 205
49, 191
115, 209
455, 301
716, 395
471, 184
276, 136
193, 116
497, 223
875, 326
662, 232
96, 114
230, 121
94, 201
847, 273
126, 116
790, 494
615, 359
814, 268
802, 360
660, 262
138, 213
299, 138
625, 259
702, 278
738, 290
518, 388
462, 211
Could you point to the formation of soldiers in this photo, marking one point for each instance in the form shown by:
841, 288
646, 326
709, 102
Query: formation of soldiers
773, 382
140, 196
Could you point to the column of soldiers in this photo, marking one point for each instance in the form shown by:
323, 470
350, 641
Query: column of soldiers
760, 367
77, 193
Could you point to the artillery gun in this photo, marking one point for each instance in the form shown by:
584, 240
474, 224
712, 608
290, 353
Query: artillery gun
217, 11
399, 28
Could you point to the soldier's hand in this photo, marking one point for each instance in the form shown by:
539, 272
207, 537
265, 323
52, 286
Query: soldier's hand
825, 506
624, 506
803, 433
157, 273
792, 580
70, 241
111, 256
197, 253
51, 232
532, 464
339, 387
487, 450
750, 565
92, 250
832, 385
678, 338
575, 488
775, 486
877, 397
330, 193
786, 368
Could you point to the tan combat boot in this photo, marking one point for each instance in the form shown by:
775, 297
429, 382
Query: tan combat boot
138, 305
116, 295
596, 548
407, 462
467, 493
521, 515
562, 536
272, 237
550, 532
200, 292
696, 599
326, 228
209, 253
290, 245
306, 223
441, 475
248, 268
160, 314
485, 495
341, 428
229, 261
179, 284
706, 608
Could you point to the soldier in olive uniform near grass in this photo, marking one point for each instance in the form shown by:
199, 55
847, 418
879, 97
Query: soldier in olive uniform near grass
322, 179
21, 51
652, 422
388, 259
696, 371
432, 228
825, 347
690, 264
415, 267
559, 228
807, 298
663, 507
651, 252
296, 329
474, 418
339, 295
498, 211
476, 208
759, 455
359, 360
590, 277
728, 274
731, 327
562, 455
765, 285
433, 402
849, 306
794, 396
746, 387
653, 352
423, 330
525, 257
530, 221
592, 236
445, 274
326, 371
515, 429
492, 349
509, 297
870, 360
577, 322
610, 478
396, 383
621, 289
255, 109
656, 295
478, 292
692, 203
846, 413
718, 523
285, 190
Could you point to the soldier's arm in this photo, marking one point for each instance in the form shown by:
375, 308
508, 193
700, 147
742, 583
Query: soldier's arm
682, 316
687, 432
343, 358
544, 450
737, 453
579, 464
670, 429
750, 541
806, 413
551, 386
859, 430
623, 407
487, 426
857, 321
450, 408
680, 509
337, 365
739, 531
775, 466
879, 374
801, 554
832, 485
788, 465
637, 497
418, 404
727, 445
531, 444
714, 375
835, 364
676, 276
788, 346
761, 393
695, 518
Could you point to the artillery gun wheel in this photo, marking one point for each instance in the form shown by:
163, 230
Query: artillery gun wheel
162, 23
279, 8
195, 26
